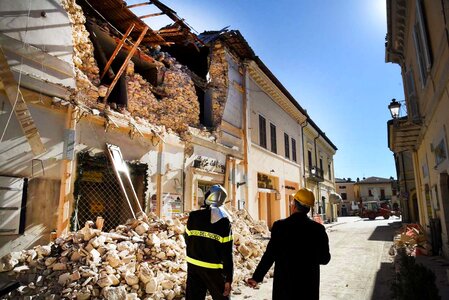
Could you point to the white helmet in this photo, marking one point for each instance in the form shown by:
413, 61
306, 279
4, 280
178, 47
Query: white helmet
215, 196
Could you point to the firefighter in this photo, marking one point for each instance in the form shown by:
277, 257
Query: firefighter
298, 246
209, 248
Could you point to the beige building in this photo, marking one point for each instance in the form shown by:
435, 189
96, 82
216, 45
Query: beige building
319, 151
418, 41
375, 189
345, 188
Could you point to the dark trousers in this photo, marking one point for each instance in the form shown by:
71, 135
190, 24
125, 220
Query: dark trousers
200, 280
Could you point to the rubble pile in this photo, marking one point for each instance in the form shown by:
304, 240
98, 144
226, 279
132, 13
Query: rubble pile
179, 106
86, 68
250, 240
143, 259
412, 238
219, 81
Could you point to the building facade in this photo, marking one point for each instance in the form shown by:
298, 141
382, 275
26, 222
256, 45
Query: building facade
105, 127
418, 41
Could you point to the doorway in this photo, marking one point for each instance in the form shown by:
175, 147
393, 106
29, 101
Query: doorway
269, 207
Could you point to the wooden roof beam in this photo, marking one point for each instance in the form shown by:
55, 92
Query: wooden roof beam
138, 4
125, 63
151, 15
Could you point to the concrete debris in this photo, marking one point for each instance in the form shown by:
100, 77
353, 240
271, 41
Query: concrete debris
142, 259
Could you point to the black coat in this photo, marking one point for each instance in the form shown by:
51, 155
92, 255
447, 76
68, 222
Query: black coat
298, 246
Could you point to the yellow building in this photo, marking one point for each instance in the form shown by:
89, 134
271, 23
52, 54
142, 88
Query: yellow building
418, 41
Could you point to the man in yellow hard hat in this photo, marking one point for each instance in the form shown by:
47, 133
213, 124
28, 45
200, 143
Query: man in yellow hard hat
298, 246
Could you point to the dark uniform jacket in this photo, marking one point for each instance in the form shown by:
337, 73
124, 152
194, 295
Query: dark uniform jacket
209, 245
297, 246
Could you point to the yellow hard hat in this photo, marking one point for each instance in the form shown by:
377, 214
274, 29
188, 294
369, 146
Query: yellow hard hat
305, 197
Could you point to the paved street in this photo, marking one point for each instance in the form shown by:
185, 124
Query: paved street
360, 267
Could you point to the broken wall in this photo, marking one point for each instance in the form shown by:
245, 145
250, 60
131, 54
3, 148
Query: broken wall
43, 172
219, 81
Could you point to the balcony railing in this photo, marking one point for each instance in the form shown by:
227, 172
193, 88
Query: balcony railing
316, 174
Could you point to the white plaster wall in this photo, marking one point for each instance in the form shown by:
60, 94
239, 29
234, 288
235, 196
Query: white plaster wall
233, 112
263, 160
22, 20
15, 152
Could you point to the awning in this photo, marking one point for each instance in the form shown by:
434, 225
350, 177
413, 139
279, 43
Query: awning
335, 198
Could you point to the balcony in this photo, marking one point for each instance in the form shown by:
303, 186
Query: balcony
315, 174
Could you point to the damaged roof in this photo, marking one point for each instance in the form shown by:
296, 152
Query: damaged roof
118, 13
237, 43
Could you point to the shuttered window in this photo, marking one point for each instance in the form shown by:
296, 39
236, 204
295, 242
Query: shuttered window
274, 147
287, 145
412, 98
294, 150
262, 132
422, 49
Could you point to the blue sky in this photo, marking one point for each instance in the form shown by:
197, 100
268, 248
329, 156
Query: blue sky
330, 55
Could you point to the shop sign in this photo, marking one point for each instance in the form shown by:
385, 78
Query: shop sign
92, 176
208, 164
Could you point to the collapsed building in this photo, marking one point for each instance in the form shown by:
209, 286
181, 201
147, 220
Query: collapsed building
104, 116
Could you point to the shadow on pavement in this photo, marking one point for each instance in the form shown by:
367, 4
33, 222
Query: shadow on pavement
382, 284
385, 232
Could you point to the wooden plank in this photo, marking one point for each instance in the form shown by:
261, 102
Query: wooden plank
14, 95
151, 15
117, 49
138, 4
229, 128
159, 179
65, 192
123, 67
122, 173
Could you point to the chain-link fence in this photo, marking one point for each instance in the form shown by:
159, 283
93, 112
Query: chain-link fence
97, 193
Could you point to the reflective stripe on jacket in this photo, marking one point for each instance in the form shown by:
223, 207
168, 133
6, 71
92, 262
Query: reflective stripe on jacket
209, 245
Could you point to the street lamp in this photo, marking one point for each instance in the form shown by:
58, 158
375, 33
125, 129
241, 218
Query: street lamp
394, 107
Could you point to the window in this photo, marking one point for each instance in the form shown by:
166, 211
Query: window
413, 110
309, 158
370, 192
262, 132
421, 44
294, 150
274, 147
342, 187
321, 164
329, 173
287, 145
382, 194
344, 196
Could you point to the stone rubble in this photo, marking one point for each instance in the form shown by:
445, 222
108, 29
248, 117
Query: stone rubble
142, 259
172, 103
